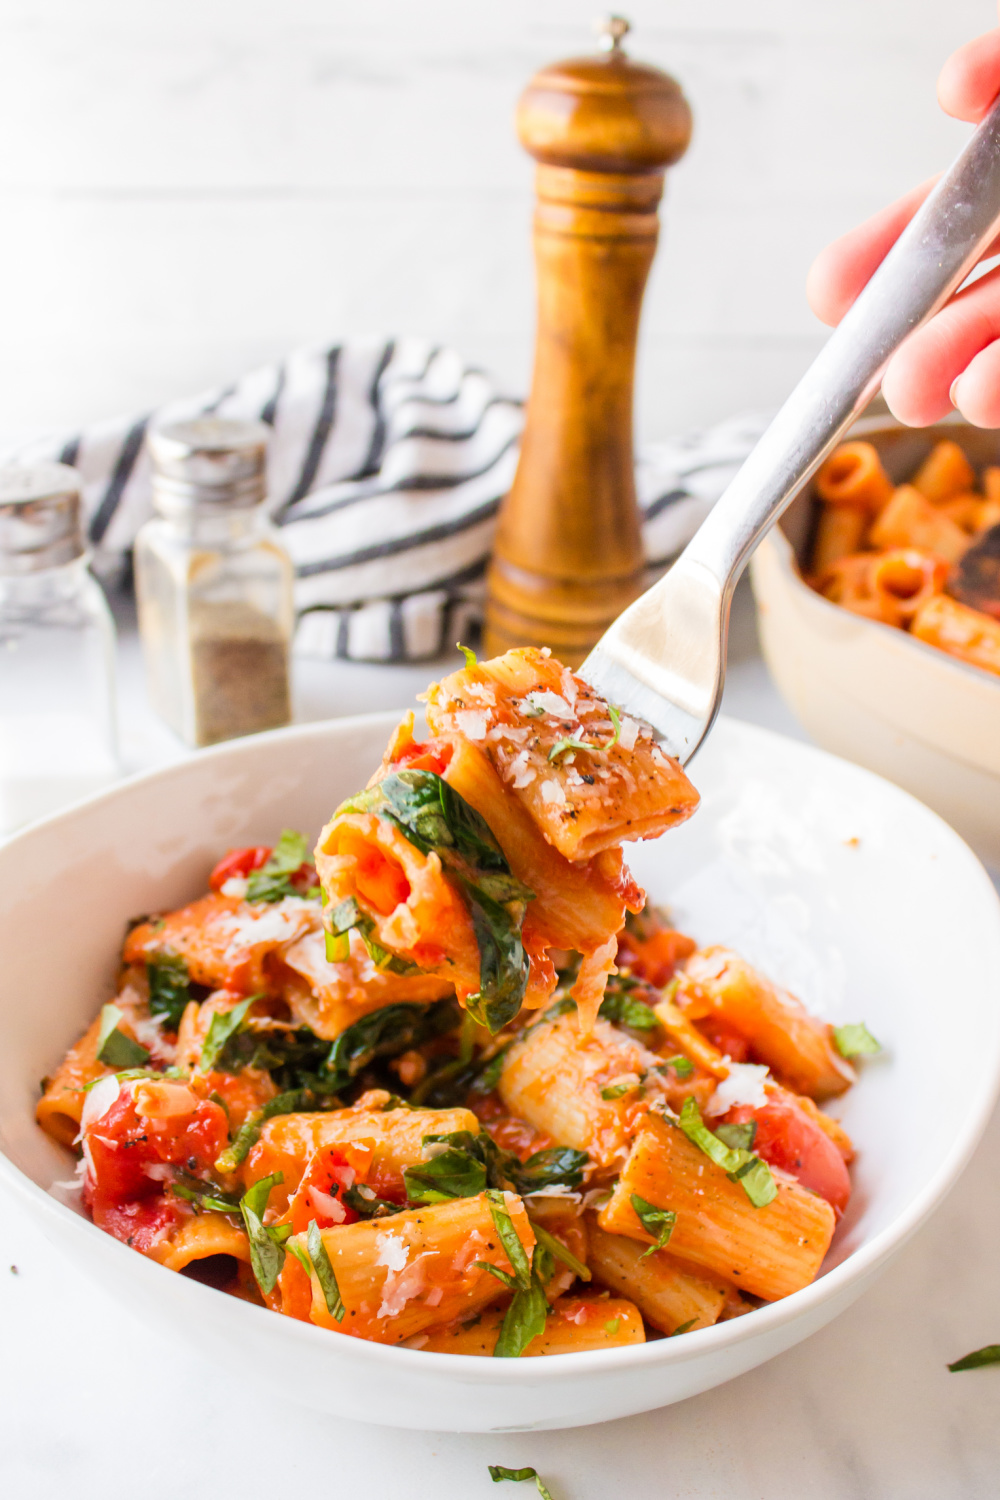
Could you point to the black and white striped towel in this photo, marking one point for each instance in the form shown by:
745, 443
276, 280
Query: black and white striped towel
386, 468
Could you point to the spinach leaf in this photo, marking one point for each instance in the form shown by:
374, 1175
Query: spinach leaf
348, 914
452, 1174
267, 1253
498, 1472
207, 1197
324, 1272
369, 1208
659, 1222
169, 986
295, 1059
272, 881
557, 1166
434, 817
385, 1033
114, 1048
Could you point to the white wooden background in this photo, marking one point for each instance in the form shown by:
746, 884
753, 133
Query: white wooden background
189, 187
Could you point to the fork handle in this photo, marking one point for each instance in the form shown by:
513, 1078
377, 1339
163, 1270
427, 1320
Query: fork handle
929, 261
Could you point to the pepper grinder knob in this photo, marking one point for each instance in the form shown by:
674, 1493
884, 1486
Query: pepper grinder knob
568, 554
611, 31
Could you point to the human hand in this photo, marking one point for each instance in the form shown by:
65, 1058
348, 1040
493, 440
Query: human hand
954, 360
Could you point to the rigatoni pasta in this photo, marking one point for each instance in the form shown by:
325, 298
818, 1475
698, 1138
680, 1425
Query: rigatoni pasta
901, 554
456, 1088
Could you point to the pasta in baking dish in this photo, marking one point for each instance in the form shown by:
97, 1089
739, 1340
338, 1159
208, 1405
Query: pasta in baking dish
894, 553
454, 1086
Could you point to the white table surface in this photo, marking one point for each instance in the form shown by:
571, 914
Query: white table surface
95, 1407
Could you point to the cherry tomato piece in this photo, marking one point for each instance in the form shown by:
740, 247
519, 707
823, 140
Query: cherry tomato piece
240, 863
786, 1138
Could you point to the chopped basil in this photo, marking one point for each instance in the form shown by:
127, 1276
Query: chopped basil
569, 743
620, 1007
616, 1090
616, 719
452, 1174
684, 1327
267, 1254
498, 1472
558, 1250
525, 1318
682, 1066
509, 1238
855, 1040
509, 1281
223, 1025
740, 1137
324, 1273
169, 986
612, 1326
989, 1354
206, 1196
301, 1257
249, 1132
272, 882
738, 1164
659, 1222
471, 660
435, 818
114, 1048
338, 947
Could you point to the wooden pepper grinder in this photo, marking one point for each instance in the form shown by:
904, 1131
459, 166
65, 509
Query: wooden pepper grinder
568, 554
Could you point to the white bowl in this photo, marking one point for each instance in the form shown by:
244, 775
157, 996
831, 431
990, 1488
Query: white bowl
838, 884
876, 694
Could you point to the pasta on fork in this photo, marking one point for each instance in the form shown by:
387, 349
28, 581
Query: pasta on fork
453, 1085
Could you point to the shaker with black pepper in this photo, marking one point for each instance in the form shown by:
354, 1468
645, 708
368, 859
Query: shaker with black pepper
214, 584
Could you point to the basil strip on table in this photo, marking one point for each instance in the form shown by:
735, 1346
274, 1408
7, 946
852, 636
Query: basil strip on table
324, 1272
738, 1164
658, 1222
436, 819
988, 1355
272, 881
498, 1472
114, 1048
267, 1253
223, 1025
855, 1040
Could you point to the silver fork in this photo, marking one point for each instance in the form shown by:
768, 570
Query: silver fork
664, 658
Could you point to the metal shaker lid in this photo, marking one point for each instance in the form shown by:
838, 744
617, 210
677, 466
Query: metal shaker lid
209, 461
40, 523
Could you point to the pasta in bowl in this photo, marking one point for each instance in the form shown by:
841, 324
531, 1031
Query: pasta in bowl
869, 624
268, 1104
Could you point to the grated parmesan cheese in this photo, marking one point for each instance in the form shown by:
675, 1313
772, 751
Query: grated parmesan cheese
552, 793
473, 723
745, 1085
629, 734
393, 1251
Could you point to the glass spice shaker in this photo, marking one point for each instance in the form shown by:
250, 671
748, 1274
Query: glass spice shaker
58, 733
214, 584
